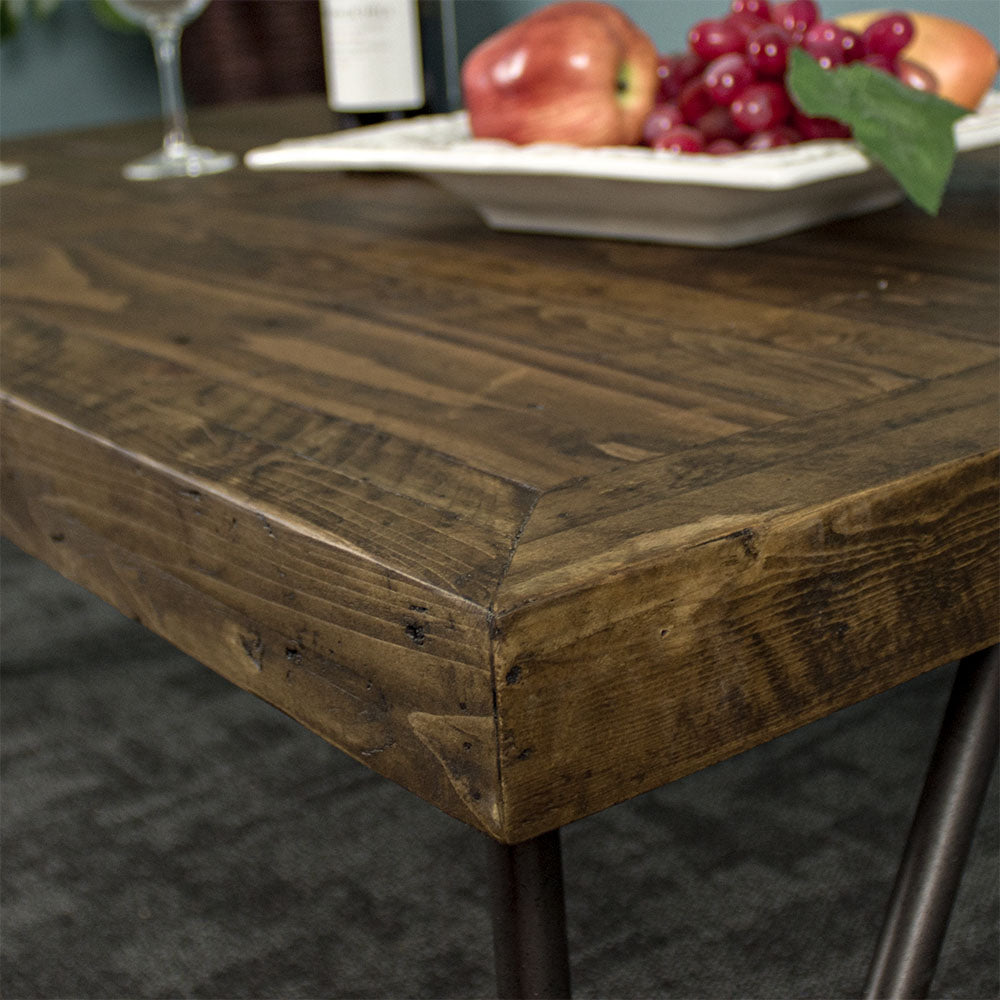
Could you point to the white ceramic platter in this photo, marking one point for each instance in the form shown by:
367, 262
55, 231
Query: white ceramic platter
624, 192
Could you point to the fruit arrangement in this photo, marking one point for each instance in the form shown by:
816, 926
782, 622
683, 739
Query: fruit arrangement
581, 72
728, 91
767, 73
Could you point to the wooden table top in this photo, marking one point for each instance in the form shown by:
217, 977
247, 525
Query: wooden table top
528, 524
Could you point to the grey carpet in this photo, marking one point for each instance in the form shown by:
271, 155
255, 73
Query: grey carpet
166, 835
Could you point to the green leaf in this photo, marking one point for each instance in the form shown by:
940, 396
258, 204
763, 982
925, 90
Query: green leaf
910, 132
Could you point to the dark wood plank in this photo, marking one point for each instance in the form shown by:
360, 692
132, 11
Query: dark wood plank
646, 643
732, 484
528, 524
391, 670
413, 509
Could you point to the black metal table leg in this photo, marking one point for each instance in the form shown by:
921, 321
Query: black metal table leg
942, 830
529, 919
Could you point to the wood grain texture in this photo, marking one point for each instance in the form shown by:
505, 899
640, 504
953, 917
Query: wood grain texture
527, 524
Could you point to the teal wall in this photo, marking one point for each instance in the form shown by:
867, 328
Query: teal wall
667, 21
69, 71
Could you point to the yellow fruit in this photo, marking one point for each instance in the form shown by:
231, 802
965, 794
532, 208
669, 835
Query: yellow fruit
963, 61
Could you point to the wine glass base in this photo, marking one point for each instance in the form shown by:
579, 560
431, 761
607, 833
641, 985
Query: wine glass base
184, 161
11, 173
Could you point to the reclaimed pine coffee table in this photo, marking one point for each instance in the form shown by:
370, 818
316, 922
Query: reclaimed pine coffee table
529, 525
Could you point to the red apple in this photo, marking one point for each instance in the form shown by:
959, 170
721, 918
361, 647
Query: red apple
579, 72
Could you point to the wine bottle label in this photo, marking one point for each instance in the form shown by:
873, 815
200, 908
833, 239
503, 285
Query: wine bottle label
372, 50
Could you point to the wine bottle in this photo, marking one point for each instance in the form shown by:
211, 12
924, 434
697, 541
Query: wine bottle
389, 59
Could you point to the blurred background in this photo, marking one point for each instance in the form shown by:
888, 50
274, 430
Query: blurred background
67, 68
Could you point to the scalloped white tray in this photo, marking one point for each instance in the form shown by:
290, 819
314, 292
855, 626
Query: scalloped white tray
628, 193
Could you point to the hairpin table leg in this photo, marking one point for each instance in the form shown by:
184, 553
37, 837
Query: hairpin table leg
529, 919
945, 820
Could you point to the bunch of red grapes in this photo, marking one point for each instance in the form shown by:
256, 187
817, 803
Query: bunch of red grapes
727, 93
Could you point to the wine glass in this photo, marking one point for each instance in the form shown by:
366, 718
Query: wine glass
164, 20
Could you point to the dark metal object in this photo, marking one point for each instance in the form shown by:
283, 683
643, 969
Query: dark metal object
529, 919
942, 830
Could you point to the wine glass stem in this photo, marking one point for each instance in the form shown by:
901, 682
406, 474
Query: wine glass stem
166, 45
